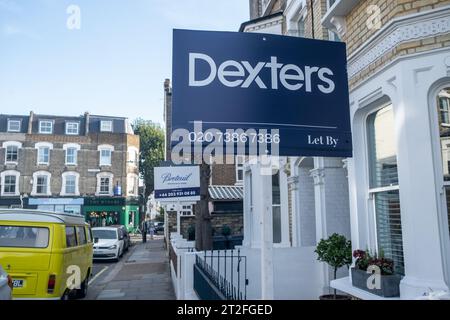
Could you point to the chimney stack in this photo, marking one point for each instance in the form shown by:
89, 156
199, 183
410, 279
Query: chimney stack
30, 123
86, 123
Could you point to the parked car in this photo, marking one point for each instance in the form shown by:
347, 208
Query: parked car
108, 243
126, 237
6, 285
159, 226
40, 249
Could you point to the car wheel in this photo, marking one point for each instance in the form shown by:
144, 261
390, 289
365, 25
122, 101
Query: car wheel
82, 292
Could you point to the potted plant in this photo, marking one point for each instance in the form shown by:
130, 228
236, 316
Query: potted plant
364, 274
336, 251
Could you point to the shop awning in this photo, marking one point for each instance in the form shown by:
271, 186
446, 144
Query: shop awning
226, 192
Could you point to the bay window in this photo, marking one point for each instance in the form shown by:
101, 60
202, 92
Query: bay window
384, 186
443, 105
276, 207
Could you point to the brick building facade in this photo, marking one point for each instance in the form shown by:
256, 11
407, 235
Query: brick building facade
82, 165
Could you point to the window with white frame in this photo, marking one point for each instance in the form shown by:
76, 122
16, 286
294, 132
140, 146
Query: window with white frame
106, 126
41, 183
70, 183
186, 210
12, 151
71, 153
12, 154
240, 169
384, 187
276, 207
14, 125
105, 184
443, 105
10, 183
444, 108
45, 126
44, 155
105, 154
43, 152
72, 128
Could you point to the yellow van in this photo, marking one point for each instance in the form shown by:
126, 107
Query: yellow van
48, 255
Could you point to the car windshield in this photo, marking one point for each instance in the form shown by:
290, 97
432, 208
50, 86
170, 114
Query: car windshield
23, 237
104, 234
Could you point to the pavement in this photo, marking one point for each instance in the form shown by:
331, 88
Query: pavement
142, 274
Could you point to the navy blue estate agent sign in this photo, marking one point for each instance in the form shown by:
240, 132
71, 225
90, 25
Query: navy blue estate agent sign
231, 80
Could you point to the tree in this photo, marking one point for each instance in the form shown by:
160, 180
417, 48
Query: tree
151, 150
336, 251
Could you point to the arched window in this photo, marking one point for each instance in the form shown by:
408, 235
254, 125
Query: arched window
105, 154
443, 111
43, 152
41, 183
12, 151
71, 153
10, 183
384, 188
105, 184
70, 184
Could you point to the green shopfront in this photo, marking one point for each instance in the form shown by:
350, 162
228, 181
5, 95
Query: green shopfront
101, 212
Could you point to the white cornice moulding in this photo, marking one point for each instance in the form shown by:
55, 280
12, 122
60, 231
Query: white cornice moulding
405, 29
340, 24
264, 24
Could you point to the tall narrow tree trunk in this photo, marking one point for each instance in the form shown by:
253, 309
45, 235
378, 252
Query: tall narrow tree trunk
203, 229
335, 291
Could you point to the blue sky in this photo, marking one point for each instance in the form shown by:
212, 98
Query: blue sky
115, 64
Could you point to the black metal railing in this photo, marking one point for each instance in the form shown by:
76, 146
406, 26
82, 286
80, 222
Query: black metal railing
226, 270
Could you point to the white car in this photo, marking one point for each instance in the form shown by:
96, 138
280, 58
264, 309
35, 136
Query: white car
108, 243
5, 285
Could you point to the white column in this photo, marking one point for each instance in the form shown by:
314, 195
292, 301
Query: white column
178, 218
284, 204
247, 207
318, 175
293, 181
267, 287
